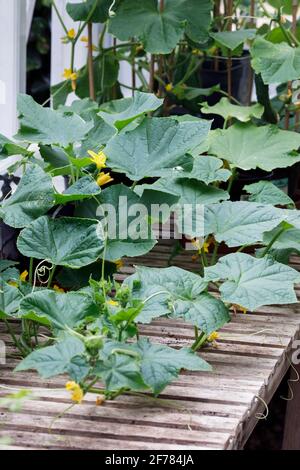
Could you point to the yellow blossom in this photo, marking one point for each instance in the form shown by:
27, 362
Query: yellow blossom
58, 289
119, 263
23, 276
104, 178
239, 308
98, 158
169, 87
84, 39
206, 245
100, 400
113, 303
71, 33
196, 243
70, 75
213, 337
77, 392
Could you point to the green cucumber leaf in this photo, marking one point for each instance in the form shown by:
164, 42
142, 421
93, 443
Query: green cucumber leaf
120, 113
241, 223
247, 146
252, 282
228, 110
63, 357
277, 63
265, 192
46, 126
120, 371
67, 241
85, 188
161, 31
161, 364
61, 310
155, 145
233, 39
33, 197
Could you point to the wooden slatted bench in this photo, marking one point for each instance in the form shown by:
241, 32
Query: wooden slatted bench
215, 410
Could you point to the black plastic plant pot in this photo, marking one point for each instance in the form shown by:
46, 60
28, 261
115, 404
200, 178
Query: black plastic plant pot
214, 71
8, 235
8, 243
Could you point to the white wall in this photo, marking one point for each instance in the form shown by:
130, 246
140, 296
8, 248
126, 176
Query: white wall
12, 60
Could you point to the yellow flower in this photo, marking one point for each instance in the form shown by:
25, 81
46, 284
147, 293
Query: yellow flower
100, 400
71, 33
213, 337
207, 244
119, 263
77, 392
196, 243
104, 178
98, 158
84, 39
69, 75
169, 87
239, 308
205, 247
23, 276
58, 289
113, 303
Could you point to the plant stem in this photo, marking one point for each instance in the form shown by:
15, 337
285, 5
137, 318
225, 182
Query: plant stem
31, 270
199, 342
269, 246
232, 178
13, 336
72, 56
52, 272
90, 62
133, 72
59, 17
215, 254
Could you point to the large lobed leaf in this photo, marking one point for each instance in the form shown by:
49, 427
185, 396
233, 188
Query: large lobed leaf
161, 364
46, 126
84, 188
61, 310
10, 298
67, 241
241, 223
161, 31
33, 197
9, 148
120, 113
173, 291
82, 11
233, 39
63, 357
156, 144
266, 192
277, 63
228, 110
248, 147
253, 282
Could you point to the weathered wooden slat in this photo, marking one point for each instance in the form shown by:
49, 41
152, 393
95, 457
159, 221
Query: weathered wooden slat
217, 409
